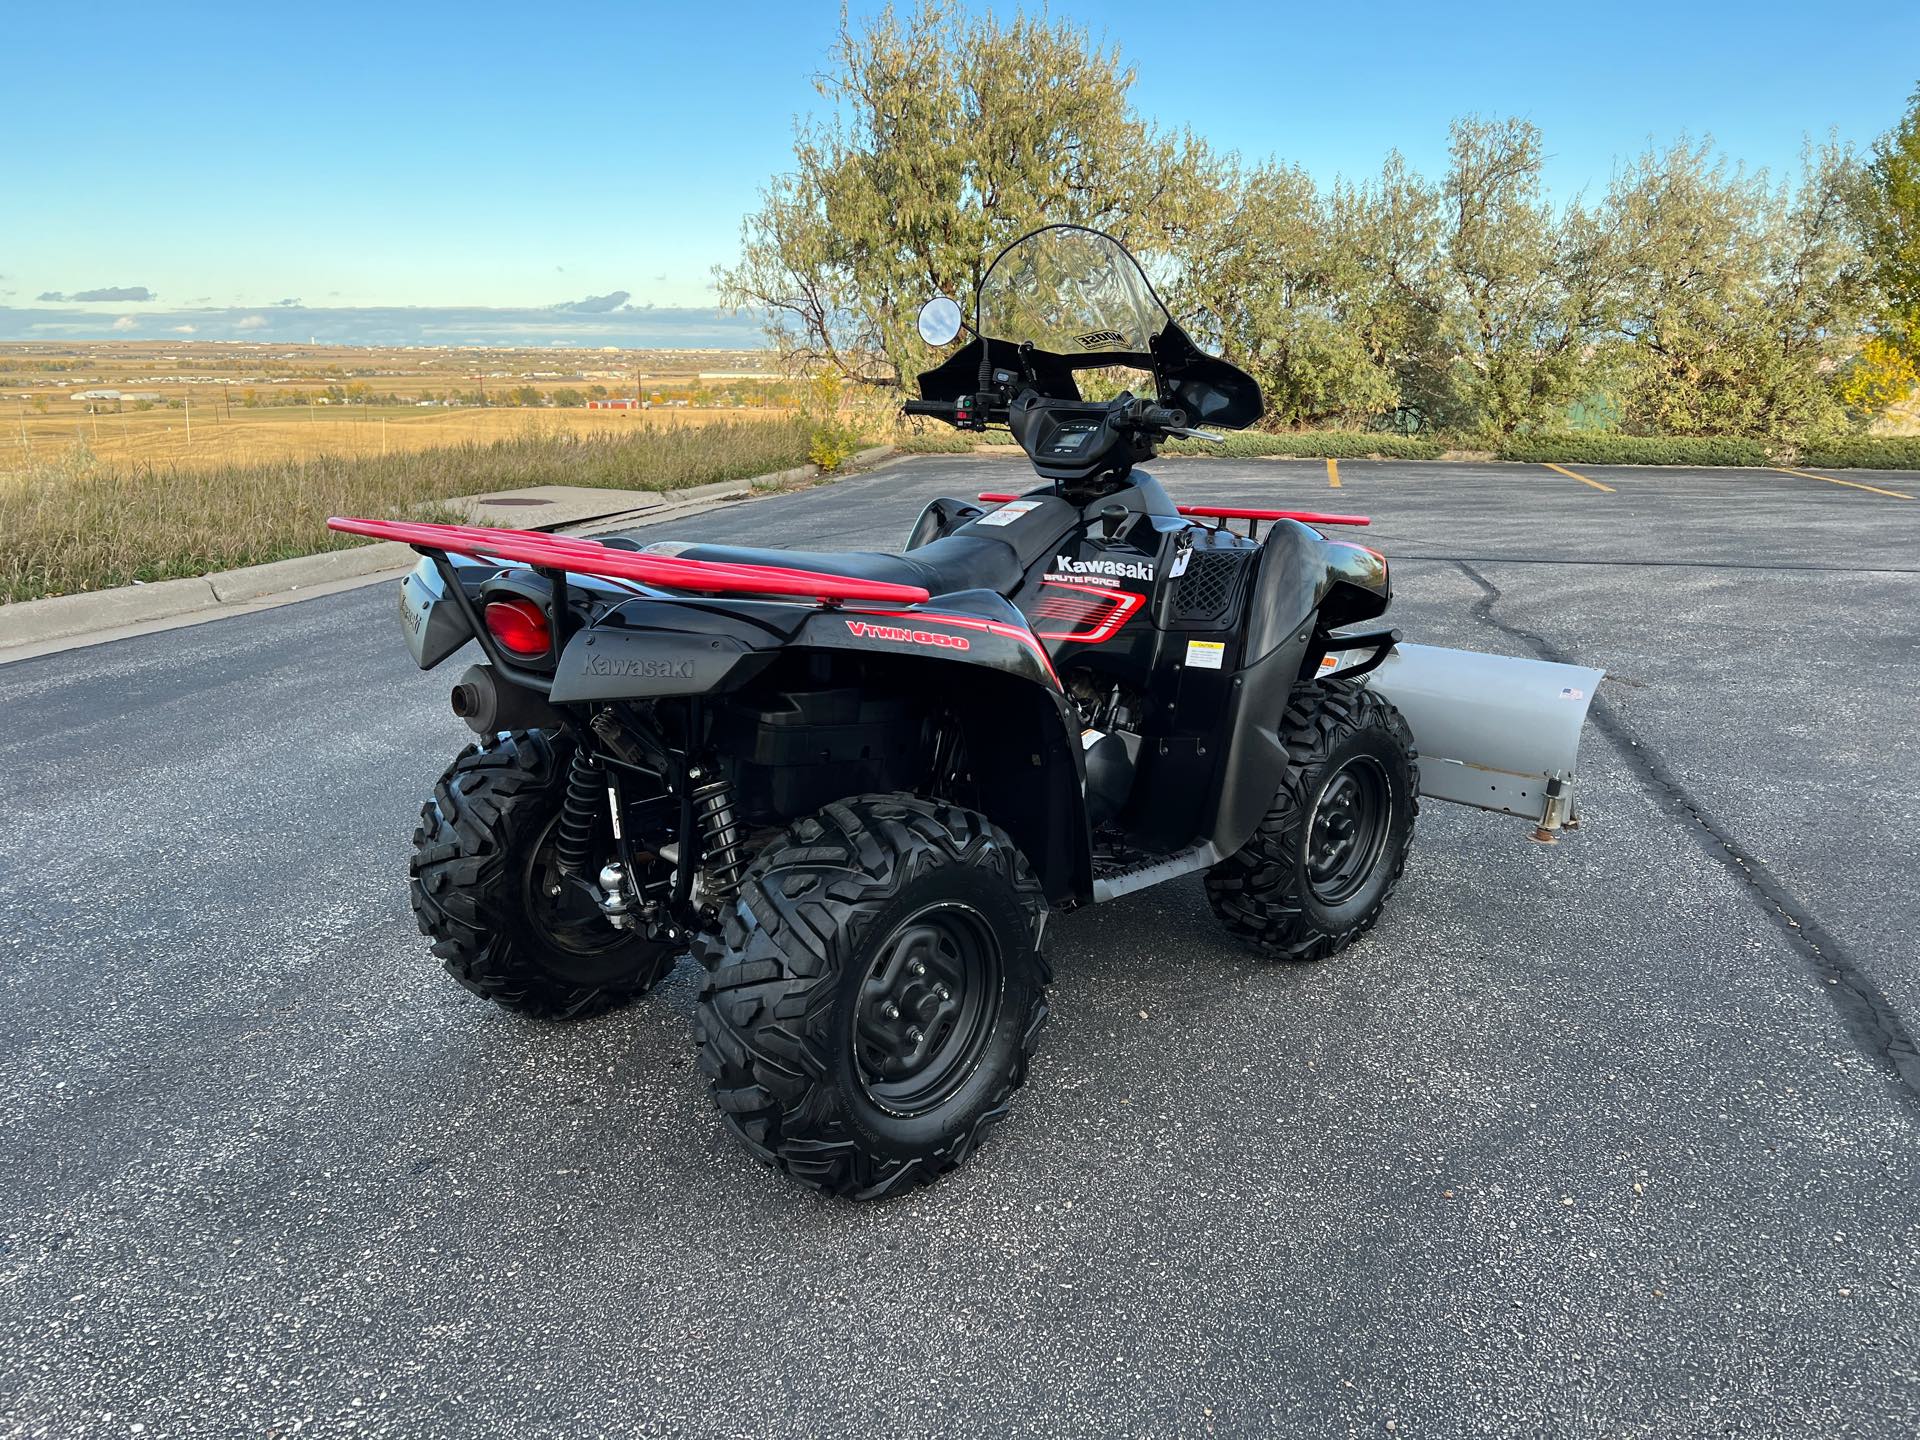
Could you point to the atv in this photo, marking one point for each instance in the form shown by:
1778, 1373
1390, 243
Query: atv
856, 786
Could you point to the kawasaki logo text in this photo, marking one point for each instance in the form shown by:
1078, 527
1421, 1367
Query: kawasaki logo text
1126, 569
640, 669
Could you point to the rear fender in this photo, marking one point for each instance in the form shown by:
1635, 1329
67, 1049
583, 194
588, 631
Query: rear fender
1022, 732
977, 627
649, 647
434, 625
1493, 731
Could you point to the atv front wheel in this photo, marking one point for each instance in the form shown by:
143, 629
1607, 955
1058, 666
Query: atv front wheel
1329, 851
875, 994
483, 882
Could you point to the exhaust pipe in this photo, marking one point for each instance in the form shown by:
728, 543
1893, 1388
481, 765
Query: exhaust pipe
489, 704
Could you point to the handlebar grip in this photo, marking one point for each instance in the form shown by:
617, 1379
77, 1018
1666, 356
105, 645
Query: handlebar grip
941, 408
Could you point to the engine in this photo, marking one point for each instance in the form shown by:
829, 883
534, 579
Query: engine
1110, 715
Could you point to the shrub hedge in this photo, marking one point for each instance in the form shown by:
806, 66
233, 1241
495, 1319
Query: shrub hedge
1864, 452
1604, 449
1313, 445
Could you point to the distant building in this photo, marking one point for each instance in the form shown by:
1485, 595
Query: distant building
616, 405
121, 395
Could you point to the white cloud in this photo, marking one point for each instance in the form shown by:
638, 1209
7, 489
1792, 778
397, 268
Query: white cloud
184, 329
126, 322
252, 322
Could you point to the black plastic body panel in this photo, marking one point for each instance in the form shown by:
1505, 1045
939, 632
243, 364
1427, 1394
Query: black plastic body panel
434, 626
800, 749
942, 517
646, 648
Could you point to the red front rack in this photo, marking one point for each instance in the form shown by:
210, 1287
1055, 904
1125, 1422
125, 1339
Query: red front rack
589, 557
1234, 512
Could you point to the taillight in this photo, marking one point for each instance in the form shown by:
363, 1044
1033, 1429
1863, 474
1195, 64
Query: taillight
520, 626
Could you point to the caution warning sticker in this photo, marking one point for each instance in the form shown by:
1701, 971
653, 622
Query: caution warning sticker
1206, 654
1008, 513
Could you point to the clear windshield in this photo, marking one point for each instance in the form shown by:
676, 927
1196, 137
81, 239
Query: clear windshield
1070, 291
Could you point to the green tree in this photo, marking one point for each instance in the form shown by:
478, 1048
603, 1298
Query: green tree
1738, 298
951, 135
1892, 213
1526, 291
1276, 270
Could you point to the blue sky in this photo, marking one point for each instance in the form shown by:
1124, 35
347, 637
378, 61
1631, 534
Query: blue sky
519, 156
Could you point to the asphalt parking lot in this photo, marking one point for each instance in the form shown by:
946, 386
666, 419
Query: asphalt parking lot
1615, 1137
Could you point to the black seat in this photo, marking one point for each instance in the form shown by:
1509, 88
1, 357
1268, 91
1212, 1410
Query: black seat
958, 562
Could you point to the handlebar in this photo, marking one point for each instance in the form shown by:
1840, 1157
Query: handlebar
943, 409
1159, 417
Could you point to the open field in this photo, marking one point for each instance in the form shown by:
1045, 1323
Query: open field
1614, 1137
194, 406
77, 523
263, 436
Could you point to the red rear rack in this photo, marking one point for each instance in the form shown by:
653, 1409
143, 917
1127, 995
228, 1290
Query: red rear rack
589, 557
1236, 512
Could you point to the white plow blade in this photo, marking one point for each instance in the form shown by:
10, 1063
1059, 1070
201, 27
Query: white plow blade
1493, 731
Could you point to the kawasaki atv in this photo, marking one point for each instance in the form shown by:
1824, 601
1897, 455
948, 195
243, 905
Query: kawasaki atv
858, 785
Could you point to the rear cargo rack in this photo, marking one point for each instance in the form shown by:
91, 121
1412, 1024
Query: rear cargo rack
1233, 512
590, 557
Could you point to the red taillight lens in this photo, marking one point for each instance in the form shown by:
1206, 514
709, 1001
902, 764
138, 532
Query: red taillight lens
520, 626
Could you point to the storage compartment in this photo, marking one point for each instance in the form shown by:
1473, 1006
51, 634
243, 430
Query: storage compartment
795, 752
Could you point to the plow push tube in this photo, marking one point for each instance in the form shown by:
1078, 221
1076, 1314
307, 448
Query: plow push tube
589, 557
1493, 731
1230, 512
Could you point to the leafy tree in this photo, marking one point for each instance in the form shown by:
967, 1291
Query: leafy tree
1525, 290
1877, 378
1278, 275
951, 135
1738, 298
1893, 228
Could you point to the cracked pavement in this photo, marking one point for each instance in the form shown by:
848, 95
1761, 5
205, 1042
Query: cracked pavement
1590, 1139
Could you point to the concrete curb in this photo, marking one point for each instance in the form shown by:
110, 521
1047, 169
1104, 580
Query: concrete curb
34, 625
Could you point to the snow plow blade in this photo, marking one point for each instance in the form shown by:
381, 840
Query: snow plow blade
1493, 731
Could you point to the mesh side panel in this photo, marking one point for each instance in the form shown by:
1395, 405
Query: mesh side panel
1208, 584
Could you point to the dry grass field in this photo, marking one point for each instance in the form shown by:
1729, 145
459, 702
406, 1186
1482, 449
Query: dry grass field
75, 522
191, 406
201, 436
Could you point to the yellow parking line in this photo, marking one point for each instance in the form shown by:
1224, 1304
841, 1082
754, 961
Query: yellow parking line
1850, 484
1333, 472
1561, 469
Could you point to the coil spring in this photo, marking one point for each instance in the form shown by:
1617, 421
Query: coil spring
723, 858
586, 792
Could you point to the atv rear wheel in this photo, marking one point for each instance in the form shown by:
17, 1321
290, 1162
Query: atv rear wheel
875, 994
481, 889
1318, 870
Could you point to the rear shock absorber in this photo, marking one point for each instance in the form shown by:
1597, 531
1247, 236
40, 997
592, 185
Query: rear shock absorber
723, 856
586, 793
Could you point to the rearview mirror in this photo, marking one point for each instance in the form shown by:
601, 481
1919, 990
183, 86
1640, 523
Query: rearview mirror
939, 321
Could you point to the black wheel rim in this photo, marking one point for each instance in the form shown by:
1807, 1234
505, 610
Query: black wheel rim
927, 1008
1348, 830
563, 914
